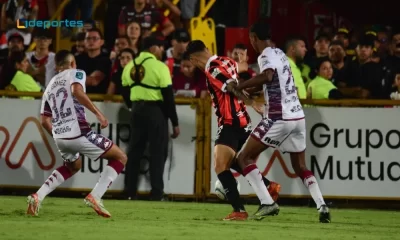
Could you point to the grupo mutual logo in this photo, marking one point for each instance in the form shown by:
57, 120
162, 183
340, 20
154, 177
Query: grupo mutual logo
25, 23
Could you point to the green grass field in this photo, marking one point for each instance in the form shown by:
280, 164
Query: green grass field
70, 219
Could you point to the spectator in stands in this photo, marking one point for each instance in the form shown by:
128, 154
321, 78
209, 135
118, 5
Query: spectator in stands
15, 10
239, 54
21, 81
337, 57
133, 31
343, 35
391, 64
188, 8
41, 61
96, 64
321, 46
121, 42
124, 57
363, 76
111, 20
148, 16
174, 11
295, 48
190, 81
79, 46
321, 87
395, 95
70, 10
384, 43
180, 40
15, 44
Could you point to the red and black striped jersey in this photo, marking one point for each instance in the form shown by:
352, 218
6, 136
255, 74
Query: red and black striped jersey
220, 71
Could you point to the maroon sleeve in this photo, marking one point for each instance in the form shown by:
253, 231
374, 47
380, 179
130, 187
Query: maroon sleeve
46, 110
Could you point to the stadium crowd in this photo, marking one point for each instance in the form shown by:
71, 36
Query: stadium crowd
340, 63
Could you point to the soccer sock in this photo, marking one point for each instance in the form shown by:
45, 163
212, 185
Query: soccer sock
110, 173
230, 186
56, 178
254, 176
311, 183
235, 166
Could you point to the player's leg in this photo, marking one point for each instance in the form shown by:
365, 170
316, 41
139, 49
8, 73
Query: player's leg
273, 187
225, 149
72, 164
258, 142
95, 146
222, 157
295, 144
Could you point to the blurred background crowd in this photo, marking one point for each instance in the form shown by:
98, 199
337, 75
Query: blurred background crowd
340, 60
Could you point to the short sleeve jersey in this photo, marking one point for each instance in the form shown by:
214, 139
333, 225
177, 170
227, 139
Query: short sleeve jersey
280, 94
68, 115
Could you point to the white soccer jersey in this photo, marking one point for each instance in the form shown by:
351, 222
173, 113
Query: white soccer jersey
280, 94
68, 115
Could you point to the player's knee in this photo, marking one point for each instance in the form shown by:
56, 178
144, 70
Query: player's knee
220, 166
75, 166
123, 158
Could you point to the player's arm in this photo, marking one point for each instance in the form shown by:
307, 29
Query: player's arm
257, 81
80, 95
46, 115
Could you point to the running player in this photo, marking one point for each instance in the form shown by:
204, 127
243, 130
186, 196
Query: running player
283, 125
63, 116
233, 121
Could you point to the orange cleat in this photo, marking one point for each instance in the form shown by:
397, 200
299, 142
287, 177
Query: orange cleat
97, 206
237, 216
274, 189
33, 205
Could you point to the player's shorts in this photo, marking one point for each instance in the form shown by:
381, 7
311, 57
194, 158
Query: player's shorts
92, 145
286, 135
232, 137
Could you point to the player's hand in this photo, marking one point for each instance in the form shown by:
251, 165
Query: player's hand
176, 132
102, 120
258, 108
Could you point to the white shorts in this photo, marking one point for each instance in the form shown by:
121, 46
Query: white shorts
92, 145
286, 135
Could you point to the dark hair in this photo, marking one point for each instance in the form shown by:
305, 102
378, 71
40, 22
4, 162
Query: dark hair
80, 36
195, 47
261, 30
126, 38
61, 57
319, 62
292, 40
186, 56
337, 43
96, 30
16, 57
240, 46
128, 50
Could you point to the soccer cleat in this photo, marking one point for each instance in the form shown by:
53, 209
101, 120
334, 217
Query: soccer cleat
266, 210
97, 206
236, 216
324, 214
274, 189
33, 205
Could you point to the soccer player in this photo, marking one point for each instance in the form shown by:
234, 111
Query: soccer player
63, 116
233, 121
283, 125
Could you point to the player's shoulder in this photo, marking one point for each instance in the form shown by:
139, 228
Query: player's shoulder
271, 52
76, 73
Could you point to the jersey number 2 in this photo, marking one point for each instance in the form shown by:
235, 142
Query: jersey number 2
60, 114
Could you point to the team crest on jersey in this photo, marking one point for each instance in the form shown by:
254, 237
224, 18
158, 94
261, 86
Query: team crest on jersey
79, 75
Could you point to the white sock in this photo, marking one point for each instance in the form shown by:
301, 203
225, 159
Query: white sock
254, 177
312, 185
107, 177
52, 182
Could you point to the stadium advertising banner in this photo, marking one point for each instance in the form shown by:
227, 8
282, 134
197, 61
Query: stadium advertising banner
28, 154
353, 152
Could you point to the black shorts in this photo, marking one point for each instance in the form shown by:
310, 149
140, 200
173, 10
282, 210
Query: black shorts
232, 137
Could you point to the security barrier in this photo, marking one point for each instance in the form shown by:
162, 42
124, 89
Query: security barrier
352, 150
